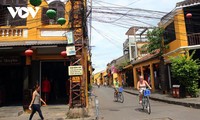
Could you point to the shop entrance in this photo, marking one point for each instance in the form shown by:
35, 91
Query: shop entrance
57, 74
11, 85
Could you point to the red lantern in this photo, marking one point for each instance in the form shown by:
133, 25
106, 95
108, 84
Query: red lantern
156, 65
63, 54
189, 15
29, 52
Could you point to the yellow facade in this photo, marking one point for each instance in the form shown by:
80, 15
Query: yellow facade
180, 32
34, 29
175, 47
34, 26
47, 42
99, 77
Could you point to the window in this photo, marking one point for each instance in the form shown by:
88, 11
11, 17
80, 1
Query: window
169, 33
44, 18
6, 18
4, 13
59, 7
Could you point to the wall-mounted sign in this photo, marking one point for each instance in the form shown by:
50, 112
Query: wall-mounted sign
76, 79
70, 37
10, 60
70, 50
75, 70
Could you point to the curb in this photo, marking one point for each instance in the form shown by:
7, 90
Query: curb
20, 113
193, 105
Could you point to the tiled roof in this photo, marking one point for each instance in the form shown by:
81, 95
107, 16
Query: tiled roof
147, 57
137, 30
187, 2
27, 43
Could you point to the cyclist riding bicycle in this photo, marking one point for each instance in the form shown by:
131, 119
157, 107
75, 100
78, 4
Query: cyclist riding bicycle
142, 85
116, 85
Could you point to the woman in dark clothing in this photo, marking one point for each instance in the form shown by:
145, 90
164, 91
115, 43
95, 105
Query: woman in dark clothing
35, 103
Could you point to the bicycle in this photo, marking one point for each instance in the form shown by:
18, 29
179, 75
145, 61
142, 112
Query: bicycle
145, 100
96, 102
118, 96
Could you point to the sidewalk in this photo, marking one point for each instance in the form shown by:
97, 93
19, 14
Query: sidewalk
50, 112
188, 102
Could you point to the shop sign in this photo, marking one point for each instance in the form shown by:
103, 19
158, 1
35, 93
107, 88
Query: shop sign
76, 79
10, 60
70, 37
75, 70
70, 50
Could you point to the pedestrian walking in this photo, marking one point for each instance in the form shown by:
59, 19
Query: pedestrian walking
35, 103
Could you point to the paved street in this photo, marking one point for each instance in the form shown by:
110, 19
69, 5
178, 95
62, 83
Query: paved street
131, 110
110, 110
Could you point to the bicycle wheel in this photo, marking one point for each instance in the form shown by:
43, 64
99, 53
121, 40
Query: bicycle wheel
97, 112
120, 97
143, 102
115, 97
148, 106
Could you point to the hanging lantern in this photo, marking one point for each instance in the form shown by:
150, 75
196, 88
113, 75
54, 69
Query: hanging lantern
51, 13
63, 54
35, 2
156, 65
189, 15
29, 52
61, 21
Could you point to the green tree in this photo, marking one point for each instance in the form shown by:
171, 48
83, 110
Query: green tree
186, 71
155, 39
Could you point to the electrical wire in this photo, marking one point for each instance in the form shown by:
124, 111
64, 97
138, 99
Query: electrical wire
109, 39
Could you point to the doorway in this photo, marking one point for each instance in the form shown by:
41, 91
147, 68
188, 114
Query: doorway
57, 75
11, 85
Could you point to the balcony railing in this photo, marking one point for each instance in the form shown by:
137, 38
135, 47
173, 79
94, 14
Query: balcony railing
9, 32
194, 39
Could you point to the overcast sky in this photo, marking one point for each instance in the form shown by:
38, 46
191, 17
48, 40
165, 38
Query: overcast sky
107, 39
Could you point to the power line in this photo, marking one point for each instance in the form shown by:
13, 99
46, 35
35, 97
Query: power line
109, 39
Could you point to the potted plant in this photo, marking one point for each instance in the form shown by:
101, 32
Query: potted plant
186, 71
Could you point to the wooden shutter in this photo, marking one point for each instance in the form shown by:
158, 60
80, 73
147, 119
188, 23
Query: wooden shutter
44, 17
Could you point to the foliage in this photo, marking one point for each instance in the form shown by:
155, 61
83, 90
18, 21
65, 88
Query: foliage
155, 38
121, 65
185, 70
89, 87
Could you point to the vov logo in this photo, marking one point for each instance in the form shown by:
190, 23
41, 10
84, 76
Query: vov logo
23, 12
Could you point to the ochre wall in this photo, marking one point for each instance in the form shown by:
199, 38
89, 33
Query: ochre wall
34, 26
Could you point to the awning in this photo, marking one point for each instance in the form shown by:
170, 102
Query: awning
32, 42
128, 66
147, 57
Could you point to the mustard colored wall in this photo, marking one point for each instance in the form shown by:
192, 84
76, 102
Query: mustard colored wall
97, 77
180, 31
34, 26
104, 74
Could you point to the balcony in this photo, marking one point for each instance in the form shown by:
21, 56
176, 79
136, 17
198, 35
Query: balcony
194, 39
12, 32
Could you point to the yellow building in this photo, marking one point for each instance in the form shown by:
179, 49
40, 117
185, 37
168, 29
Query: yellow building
182, 34
29, 28
99, 77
